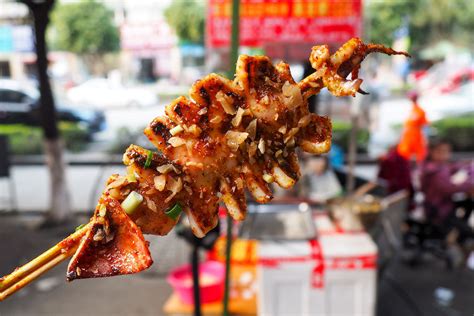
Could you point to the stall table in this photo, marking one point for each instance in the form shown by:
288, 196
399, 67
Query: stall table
333, 274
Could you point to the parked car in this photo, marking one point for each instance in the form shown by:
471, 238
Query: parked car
445, 78
106, 93
458, 80
19, 104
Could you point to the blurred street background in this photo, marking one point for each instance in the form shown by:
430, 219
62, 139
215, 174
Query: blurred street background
113, 66
126, 60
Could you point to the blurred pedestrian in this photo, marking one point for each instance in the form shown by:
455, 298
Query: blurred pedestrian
336, 156
319, 180
440, 180
395, 172
413, 142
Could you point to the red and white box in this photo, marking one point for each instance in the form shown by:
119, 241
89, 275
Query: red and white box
334, 274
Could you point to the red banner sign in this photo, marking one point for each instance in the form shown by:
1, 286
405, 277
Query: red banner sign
285, 21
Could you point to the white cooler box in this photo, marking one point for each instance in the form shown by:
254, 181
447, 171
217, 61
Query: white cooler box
334, 274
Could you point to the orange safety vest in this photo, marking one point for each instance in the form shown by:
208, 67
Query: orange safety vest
412, 142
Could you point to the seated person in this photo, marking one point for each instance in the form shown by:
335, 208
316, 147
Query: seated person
319, 181
394, 169
394, 174
440, 180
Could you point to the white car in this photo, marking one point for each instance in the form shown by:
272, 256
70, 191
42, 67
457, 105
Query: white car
105, 93
393, 113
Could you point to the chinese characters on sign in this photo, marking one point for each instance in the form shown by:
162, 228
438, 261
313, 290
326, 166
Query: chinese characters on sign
285, 21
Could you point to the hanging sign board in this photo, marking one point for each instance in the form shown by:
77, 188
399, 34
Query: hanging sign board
285, 21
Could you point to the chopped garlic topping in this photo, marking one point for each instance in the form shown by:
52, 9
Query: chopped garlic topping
151, 205
282, 130
226, 102
304, 121
195, 130
166, 168
265, 100
216, 119
252, 129
117, 183
194, 164
176, 141
202, 111
238, 117
261, 146
291, 133
160, 182
234, 139
292, 94
174, 186
252, 149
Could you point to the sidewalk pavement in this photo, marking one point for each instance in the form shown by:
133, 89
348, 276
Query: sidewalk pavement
85, 183
32, 186
145, 293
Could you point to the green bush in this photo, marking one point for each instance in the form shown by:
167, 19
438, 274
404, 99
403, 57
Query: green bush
341, 134
458, 130
28, 140
23, 140
75, 136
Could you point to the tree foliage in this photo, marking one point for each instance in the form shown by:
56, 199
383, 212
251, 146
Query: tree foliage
429, 20
186, 17
85, 28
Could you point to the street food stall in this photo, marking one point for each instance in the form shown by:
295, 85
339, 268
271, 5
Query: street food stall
293, 258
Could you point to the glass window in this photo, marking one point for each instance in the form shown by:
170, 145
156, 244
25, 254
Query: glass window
12, 96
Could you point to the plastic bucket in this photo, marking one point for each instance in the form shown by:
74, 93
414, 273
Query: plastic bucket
211, 282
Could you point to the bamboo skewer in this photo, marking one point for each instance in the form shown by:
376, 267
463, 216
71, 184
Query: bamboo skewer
27, 273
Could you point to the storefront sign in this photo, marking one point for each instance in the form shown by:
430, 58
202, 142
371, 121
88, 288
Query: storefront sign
285, 21
139, 38
16, 38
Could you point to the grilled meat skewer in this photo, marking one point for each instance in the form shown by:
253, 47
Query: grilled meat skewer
230, 136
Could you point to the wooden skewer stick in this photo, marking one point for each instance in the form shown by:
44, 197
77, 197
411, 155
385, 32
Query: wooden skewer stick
27, 273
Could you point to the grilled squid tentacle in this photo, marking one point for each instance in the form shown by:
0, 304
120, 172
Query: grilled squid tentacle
316, 137
256, 184
332, 70
233, 196
193, 223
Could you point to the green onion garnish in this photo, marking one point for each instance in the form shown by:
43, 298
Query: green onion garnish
148, 159
131, 202
131, 177
102, 210
79, 227
174, 211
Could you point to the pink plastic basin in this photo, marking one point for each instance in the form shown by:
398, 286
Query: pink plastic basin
211, 282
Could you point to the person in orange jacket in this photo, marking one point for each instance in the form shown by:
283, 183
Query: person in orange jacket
413, 142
